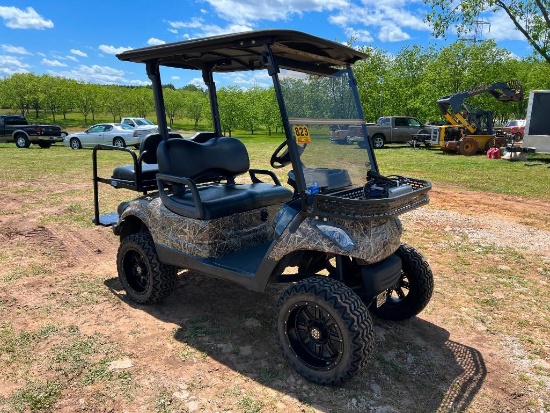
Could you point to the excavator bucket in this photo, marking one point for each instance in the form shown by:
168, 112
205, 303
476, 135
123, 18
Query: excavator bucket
509, 92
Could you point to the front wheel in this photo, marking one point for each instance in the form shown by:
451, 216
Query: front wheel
145, 279
324, 330
75, 143
22, 141
378, 141
412, 292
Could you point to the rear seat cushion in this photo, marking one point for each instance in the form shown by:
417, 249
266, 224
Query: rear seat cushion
127, 172
219, 200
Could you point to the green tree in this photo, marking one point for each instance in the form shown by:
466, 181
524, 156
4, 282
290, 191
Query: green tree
229, 107
173, 103
269, 109
84, 99
196, 105
115, 101
530, 18
371, 77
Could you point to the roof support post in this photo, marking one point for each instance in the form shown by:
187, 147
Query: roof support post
153, 72
273, 70
208, 79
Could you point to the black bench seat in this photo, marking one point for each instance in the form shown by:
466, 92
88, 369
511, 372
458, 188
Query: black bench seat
195, 171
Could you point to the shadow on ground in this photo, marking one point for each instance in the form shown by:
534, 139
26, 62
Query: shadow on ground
415, 367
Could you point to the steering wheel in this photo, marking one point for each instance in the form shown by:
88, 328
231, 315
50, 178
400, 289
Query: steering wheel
280, 158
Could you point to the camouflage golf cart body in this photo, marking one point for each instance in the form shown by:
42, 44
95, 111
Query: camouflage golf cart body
332, 233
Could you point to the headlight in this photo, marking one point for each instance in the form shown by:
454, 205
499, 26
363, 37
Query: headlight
336, 235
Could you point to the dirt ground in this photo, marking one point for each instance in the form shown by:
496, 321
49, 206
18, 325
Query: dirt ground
73, 342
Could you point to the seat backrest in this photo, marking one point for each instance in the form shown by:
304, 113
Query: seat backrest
213, 160
203, 136
150, 144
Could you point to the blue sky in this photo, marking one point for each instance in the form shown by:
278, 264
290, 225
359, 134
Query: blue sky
79, 40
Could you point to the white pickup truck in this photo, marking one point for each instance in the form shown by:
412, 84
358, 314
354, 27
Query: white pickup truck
142, 126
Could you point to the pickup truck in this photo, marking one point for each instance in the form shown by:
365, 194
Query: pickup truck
393, 129
142, 126
16, 128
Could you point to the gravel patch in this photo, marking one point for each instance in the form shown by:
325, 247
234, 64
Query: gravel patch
484, 231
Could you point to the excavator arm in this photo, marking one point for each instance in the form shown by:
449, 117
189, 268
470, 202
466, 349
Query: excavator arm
450, 106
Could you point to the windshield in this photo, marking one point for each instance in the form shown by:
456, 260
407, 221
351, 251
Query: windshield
327, 124
143, 122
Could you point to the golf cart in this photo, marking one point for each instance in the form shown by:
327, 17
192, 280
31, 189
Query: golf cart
332, 233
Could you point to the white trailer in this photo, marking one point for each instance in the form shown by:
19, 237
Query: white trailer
537, 125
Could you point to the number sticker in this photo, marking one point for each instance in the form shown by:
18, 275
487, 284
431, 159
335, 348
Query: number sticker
302, 134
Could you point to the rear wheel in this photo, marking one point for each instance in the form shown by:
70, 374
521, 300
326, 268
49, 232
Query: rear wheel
325, 331
378, 141
22, 141
468, 147
412, 293
145, 279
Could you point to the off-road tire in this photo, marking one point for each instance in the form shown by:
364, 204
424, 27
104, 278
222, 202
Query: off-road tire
467, 147
378, 141
413, 291
145, 279
22, 141
324, 330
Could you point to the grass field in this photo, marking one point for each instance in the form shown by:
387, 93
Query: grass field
70, 340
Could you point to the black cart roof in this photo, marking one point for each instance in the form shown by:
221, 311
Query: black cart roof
242, 51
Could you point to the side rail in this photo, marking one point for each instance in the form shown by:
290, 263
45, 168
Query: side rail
110, 219
181, 184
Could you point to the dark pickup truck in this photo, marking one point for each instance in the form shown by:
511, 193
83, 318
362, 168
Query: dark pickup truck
15, 128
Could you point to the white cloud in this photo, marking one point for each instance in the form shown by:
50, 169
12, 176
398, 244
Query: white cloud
245, 12
112, 49
99, 74
363, 36
78, 53
200, 29
389, 18
10, 65
392, 34
501, 28
8, 48
197, 81
153, 41
175, 78
24, 19
53, 63
74, 59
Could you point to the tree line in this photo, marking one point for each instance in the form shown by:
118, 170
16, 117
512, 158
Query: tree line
408, 83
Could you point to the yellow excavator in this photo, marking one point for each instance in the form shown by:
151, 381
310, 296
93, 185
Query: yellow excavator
469, 129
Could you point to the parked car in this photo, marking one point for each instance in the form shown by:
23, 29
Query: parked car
116, 134
513, 129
